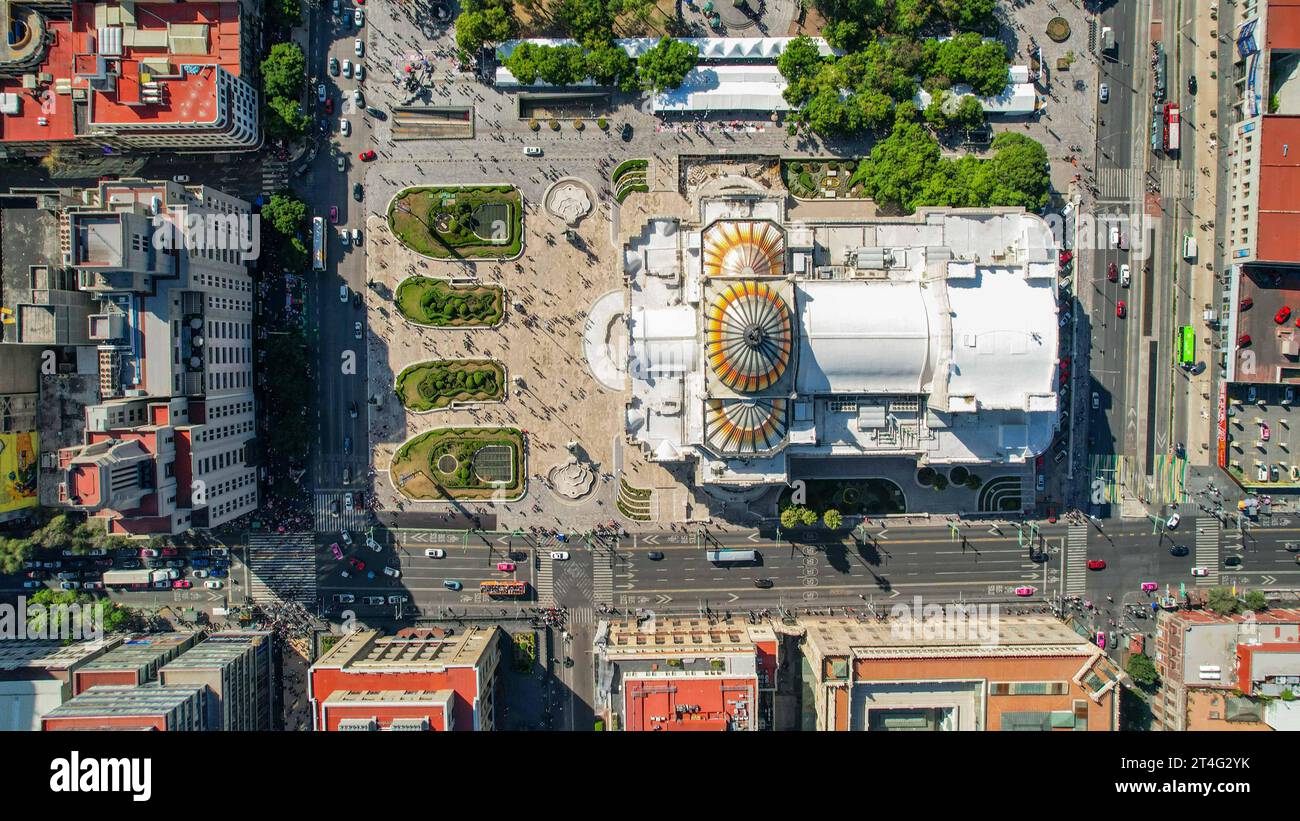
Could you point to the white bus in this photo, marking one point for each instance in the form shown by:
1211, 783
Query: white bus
318, 243
720, 556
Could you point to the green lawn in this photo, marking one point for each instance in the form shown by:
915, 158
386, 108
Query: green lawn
432, 385
452, 222
446, 463
437, 302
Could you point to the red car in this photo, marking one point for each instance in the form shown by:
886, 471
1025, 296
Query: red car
334, 214
1243, 340
329, 105
169, 551
366, 156
356, 563
181, 584
338, 552
1065, 257
1246, 303
1097, 564
1282, 315
1120, 309
1112, 273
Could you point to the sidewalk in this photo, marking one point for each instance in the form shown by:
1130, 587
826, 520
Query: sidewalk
1201, 403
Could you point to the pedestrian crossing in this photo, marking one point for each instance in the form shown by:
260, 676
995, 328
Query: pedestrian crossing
1116, 183
275, 176
327, 522
1172, 182
1208, 531
1076, 560
581, 615
545, 580
602, 577
282, 567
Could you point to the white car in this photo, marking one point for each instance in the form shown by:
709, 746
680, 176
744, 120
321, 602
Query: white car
1173, 521
356, 240
346, 538
374, 545
345, 128
343, 293
1096, 400
361, 72
213, 584
344, 598
320, 92
435, 553
181, 178
356, 330
397, 599
345, 237
1114, 236
347, 502
1105, 92
560, 555
200, 574
359, 17
532, 151
1200, 571
347, 69
1124, 278
392, 571
359, 47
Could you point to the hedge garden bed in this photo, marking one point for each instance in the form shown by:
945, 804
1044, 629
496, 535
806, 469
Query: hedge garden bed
461, 463
437, 302
452, 222
436, 384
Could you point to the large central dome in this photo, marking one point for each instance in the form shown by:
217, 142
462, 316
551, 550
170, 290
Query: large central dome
744, 249
748, 336
744, 425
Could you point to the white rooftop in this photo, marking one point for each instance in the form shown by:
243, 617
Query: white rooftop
726, 88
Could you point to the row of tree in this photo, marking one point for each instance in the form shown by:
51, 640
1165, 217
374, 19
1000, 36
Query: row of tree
852, 23
663, 66
799, 516
906, 170
859, 91
283, 73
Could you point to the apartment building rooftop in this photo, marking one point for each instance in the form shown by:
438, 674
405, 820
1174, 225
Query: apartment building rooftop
367, 650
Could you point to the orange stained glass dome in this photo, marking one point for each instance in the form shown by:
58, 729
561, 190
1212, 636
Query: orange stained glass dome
744, 249
744, 425
748, 336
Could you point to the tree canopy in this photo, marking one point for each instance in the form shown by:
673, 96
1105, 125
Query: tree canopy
284, 119
905, 171
283, 71
666, 64
285, 213
485, 21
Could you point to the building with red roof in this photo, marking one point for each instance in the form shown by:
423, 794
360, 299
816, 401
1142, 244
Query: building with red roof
127, 75
419, 680
1227, 672
1264, 152
686, 674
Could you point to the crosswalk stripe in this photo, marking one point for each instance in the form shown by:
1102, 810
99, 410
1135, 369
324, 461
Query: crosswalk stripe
581, 615
545, 580
602, 577
1076, 560
327, 522
1208, 531
282, 567
1115, 183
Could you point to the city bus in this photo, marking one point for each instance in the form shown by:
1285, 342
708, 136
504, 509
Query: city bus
318, 243
1173, 127
1186, 346
512, 589
720, 556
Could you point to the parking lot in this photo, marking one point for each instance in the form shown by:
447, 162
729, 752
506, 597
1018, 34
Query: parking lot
1262, 436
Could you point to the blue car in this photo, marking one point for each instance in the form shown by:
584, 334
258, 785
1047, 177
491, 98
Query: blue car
218, 572
450, 585
199, 563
